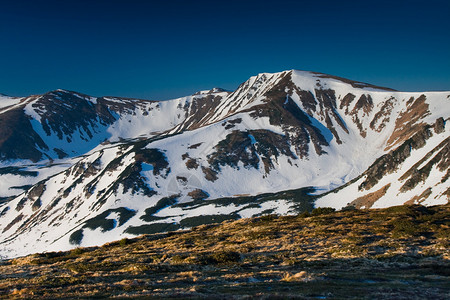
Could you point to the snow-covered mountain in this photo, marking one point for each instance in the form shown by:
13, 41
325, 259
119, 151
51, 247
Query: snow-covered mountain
81, 170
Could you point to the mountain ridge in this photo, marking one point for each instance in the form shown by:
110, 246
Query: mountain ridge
111, 167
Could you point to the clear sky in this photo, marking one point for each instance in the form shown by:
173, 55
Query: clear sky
167, 49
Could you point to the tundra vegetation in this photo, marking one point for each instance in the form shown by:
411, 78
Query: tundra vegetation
395, 253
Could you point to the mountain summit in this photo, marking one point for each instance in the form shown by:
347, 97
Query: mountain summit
78, 170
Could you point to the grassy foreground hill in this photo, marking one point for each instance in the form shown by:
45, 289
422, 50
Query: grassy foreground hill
396, 253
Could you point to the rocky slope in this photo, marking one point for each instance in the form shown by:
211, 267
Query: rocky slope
80, 170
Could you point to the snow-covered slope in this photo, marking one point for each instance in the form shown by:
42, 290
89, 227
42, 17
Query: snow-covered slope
63, 123
104, 168
415, 173
40, 133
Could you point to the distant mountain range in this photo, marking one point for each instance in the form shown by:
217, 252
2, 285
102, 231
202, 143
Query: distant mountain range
77, 170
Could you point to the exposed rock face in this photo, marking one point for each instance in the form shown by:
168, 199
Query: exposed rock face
33, 195
283, 112
198, 112
383, 116
362, 109
251, 148
407, 123
439, 126
421, 170
62, 113
198, 194
410, 173
390, 162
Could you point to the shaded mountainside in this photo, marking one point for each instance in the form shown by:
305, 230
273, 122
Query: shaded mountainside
395, 253
78, 170
63, 123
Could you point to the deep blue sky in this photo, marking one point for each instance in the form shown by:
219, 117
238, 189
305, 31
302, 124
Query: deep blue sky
167, 49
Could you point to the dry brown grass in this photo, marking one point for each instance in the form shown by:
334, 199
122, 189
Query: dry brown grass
368, 200
362, 251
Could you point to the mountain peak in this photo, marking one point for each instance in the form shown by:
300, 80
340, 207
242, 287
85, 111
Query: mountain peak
8, 97
61, 92
322, 77
211, 91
